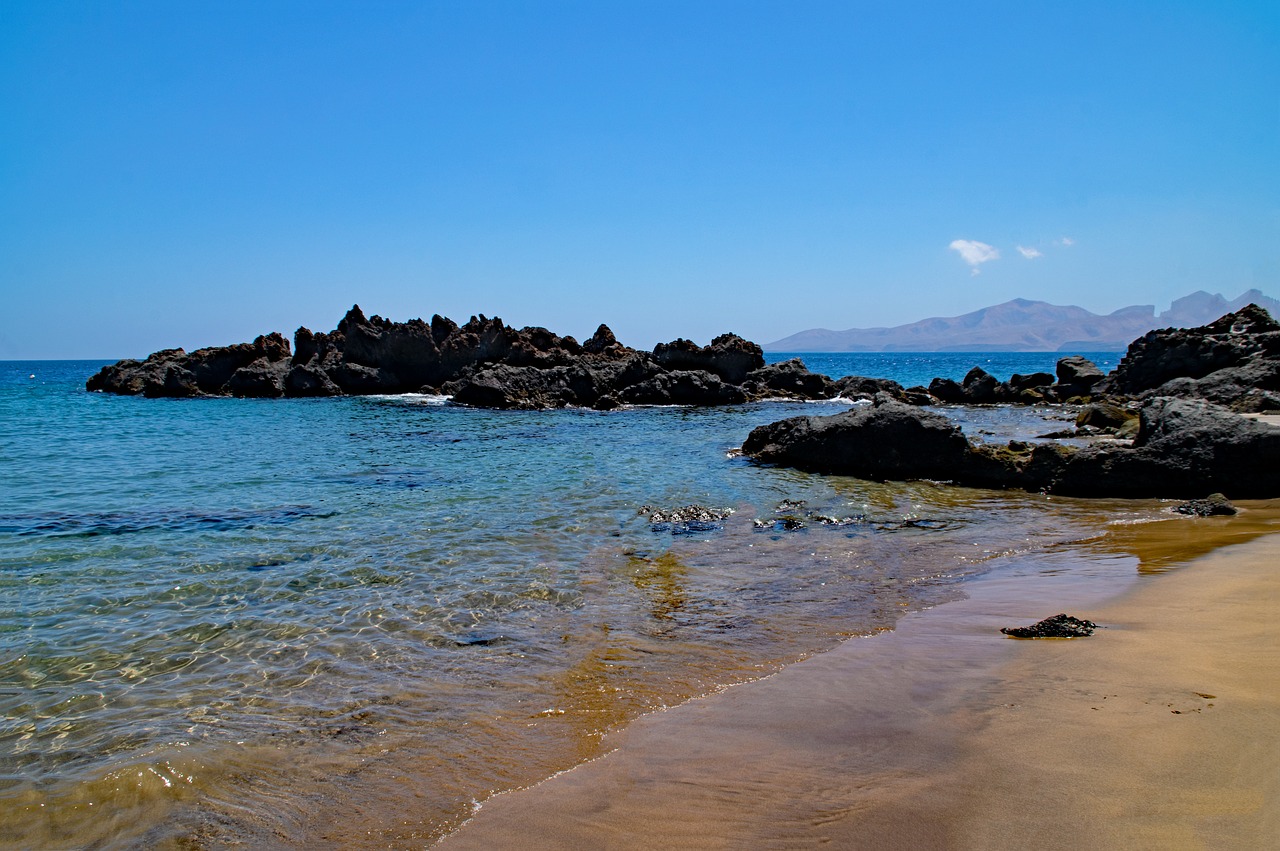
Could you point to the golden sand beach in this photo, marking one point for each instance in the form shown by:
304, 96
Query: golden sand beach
1160, 731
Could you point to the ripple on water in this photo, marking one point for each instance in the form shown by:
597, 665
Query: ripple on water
398, 607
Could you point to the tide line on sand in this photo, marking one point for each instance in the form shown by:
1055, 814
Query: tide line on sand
1158, 732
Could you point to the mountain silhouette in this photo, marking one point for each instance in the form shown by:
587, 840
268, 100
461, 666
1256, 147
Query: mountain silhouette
1022, 325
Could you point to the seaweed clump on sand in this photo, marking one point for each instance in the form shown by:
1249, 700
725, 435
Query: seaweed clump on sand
1058, 626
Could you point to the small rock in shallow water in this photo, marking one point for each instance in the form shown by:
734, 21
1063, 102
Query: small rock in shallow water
1214, 503
1058, 626
687, 519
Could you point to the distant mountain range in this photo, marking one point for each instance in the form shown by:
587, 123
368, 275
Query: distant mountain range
1025, 326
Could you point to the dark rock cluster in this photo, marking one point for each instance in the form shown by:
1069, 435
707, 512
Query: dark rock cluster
686, 519
1213, 505
1177, 394
1073, 382
484, 363
1233, 361
1182, 448
1058, 626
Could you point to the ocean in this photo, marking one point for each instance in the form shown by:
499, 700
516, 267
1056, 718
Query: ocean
336, 622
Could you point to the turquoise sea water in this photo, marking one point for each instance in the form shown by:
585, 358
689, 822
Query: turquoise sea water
327, 622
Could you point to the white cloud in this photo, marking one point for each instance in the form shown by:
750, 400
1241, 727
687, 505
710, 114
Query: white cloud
1065, 242
1029, 253
974, 253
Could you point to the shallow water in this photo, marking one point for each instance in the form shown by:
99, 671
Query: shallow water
247, 621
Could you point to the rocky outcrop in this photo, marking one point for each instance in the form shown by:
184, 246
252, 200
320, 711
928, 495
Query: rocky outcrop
729, 357
1077, 376
979, 387
1233, 361
1213, 505
886, 440
790, 378
1183, 449
484, 363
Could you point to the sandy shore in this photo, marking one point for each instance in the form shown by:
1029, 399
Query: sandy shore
1161, 731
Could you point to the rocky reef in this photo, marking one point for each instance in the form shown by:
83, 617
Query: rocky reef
484, 363
1234, 361
1183, 448
1180, 395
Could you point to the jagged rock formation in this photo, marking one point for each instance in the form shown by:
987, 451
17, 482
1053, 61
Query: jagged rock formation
1185, 449
484, 363
1232, 361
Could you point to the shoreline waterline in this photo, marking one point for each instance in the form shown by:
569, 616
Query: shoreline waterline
343, 629
942, 733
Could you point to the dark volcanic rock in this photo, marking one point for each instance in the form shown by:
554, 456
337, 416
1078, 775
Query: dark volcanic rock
1076, 376
729, 357
683, 387
861, 387
484, 362
1182, 449
888, 440
1058, 626
1104, 416
1212, 505
1233, 361
980, 386
790, 378
947, 390
686, 519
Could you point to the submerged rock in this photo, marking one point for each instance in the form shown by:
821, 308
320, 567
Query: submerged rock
1212, 505
686, 519
1058, 626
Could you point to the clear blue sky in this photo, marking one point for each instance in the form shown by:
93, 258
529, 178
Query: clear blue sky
196, 173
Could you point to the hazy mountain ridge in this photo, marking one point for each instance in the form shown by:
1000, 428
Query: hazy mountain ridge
1025, 325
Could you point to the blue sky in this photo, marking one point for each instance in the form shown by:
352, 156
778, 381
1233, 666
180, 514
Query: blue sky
198, 173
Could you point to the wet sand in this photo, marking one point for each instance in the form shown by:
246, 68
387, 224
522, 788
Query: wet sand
1158, 732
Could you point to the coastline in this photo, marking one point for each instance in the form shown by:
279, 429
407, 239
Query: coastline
944, 734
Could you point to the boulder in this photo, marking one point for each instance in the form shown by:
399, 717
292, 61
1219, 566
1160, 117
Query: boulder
1058, 626
791, 379
683, 387
980, 386
1221, 361
861, 387
307, 380
1104, 416
1034, 381
261, 379
1215, 504
887, 440
947, 390
729, 357
1076, 376
1182, 449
